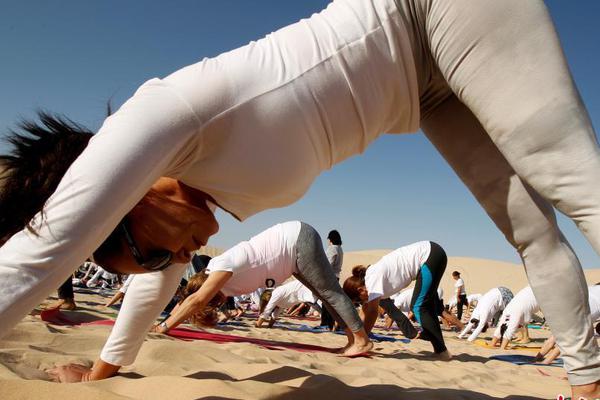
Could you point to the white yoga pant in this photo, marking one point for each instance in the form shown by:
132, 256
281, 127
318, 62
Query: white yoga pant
501, 107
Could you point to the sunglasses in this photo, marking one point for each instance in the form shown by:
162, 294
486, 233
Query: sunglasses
157, 262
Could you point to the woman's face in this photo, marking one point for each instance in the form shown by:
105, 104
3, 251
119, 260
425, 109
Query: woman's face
169, 218
363, 294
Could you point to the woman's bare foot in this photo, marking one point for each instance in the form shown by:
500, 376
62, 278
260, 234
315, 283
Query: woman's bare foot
341, 350
357, 349
63, 304
590, 391
443, 356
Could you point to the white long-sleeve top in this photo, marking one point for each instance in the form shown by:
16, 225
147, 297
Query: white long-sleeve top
594, 299
252, 127
287, 295
518, 312
487, 306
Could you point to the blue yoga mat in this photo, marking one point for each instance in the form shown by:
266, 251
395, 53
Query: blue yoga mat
521, 359
318, 329
532, 326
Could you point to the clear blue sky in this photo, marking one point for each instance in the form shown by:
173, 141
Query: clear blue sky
72, 56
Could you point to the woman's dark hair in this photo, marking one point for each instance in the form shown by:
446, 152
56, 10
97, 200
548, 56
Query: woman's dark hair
455, 273
598, 328
42, 151
335, 238
200, 262
355, 282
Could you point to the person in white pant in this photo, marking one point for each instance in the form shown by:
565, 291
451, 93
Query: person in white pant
516, 314
489, 304
285, 296
252, 128
473, 299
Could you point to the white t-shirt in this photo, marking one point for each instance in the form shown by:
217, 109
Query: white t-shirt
252, 127
518, 312
402, 300
269, 255
460, 287
487, 306
396, 270
287, 295
594, 299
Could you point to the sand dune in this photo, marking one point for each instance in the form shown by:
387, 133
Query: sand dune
479, 275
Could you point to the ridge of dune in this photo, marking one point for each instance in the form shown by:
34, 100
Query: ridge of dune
479, 274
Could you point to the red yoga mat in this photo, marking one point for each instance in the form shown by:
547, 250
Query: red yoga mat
55, 316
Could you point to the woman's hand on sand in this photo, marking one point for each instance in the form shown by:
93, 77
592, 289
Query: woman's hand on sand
157, 329
70, 373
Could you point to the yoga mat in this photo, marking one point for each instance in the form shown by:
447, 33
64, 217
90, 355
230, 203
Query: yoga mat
55, 316
318, 329
486, 345
532, 326
521, 359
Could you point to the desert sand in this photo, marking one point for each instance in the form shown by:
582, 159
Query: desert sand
173, 369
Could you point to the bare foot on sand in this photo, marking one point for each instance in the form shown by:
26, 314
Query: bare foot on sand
358, 349
63, 304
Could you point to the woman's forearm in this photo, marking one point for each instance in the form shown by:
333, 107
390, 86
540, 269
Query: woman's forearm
101, 370
370, 310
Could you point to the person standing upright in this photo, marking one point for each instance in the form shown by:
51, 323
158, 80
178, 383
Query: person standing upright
460, 293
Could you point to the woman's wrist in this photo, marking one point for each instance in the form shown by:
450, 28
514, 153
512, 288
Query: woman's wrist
163, 327
100, 370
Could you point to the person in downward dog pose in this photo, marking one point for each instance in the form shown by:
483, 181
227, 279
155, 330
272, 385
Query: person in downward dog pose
490, 304
285, 296
291, 248
402, 301
550, 351
472, 300
516, 314
486, 81
372, 287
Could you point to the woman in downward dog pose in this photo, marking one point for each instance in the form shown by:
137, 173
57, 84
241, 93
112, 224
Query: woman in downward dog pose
372, 287
252, 128
516, 314
285, 296
489, 305
292, 248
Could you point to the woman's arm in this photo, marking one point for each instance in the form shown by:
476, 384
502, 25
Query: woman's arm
478, 329
466, 330
197, 301
148, 137
371, 312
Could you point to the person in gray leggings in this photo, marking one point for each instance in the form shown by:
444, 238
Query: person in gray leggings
291, 248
